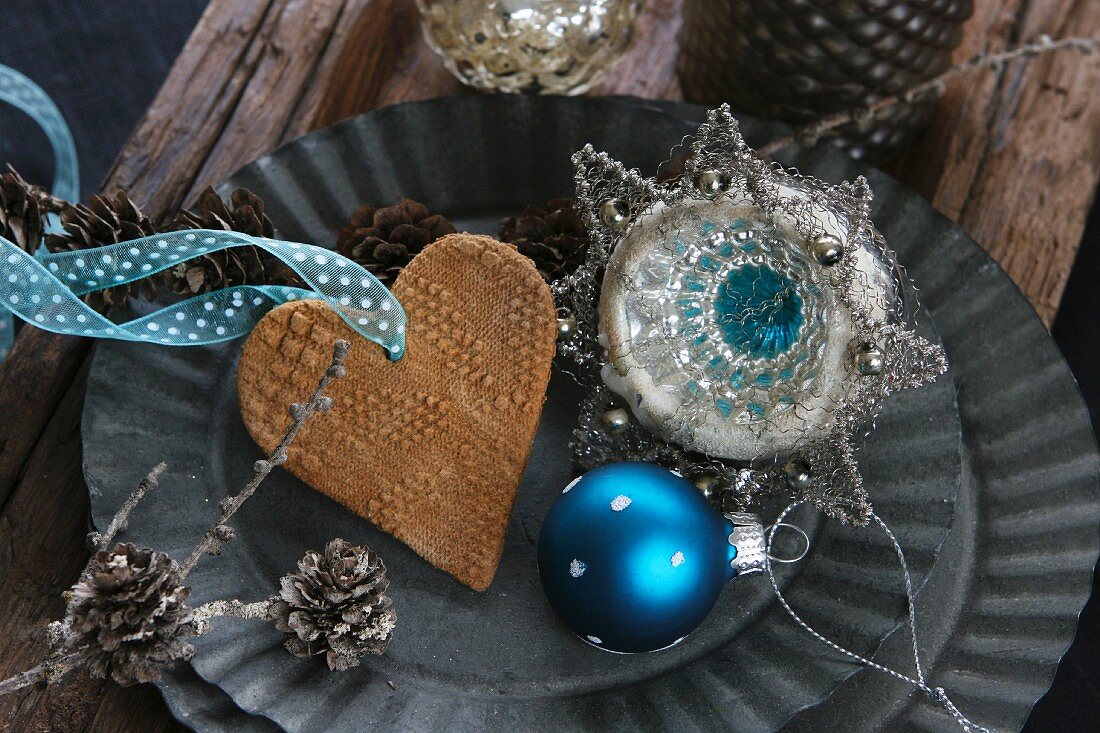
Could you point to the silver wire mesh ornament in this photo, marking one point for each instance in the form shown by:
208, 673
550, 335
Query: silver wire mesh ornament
751, 320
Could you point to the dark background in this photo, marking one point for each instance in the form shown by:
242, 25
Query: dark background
103, 61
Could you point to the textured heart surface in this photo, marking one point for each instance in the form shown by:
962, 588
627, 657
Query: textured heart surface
430, 448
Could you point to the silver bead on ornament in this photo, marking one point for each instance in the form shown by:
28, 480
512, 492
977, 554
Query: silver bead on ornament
567, 326
712, 184
798, 473
707, 483
614, 214
828, 249
869, 360
615, 420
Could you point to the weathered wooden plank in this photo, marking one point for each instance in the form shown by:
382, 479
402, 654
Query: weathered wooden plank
1014, 156
32, 381
384, 60
648, 69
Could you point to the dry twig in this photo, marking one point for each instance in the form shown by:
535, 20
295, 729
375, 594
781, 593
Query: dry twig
63, 659
221, 533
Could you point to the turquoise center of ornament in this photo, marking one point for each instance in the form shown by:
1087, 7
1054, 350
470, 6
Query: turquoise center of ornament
759, 311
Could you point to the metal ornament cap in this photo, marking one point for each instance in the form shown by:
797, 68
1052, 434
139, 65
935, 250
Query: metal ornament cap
632, 557
748, 539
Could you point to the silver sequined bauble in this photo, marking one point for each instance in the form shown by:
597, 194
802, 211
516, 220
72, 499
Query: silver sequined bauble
546, 46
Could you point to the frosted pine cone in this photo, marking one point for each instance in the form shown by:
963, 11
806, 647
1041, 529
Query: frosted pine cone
127, 616
336, 605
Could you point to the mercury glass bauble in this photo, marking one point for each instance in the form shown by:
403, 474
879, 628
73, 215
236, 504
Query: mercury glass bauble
546, 46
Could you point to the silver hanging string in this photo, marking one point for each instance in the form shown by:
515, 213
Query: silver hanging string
935, 694
795, 528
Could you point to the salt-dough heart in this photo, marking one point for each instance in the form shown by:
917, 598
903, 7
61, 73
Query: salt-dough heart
430, 448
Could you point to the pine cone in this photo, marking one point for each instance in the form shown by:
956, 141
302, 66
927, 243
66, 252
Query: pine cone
230, 267
127, 617
552, 236
336, 605
385, 240
102, 222
21, 215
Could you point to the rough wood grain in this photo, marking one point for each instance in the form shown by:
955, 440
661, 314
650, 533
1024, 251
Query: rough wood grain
43, 365
42, 552
1012, 156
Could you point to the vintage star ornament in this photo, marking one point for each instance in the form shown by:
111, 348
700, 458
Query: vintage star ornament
740, 324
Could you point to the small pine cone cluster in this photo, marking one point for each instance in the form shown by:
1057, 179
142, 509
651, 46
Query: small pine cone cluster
553, 237
385, 240
127, 617
336, 605
103, 221
244, 212
21, 211
107, 220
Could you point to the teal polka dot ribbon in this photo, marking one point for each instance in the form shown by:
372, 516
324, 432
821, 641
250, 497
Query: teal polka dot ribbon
22, 93
45, 289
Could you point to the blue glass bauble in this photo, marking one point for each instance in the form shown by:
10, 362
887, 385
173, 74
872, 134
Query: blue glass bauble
632, 557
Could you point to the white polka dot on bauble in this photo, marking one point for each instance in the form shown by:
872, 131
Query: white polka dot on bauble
620, 503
